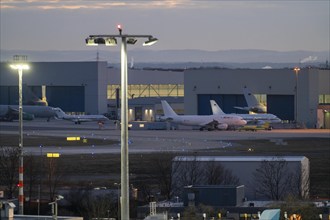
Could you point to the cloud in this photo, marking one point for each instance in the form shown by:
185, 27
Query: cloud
98, 4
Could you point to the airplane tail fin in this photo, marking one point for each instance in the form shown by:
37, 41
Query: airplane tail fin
168, 111
250, 98
216, 110
59, 113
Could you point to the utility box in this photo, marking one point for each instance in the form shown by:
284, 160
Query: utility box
7, 209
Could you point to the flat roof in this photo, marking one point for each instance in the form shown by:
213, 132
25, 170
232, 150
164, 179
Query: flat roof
238, 158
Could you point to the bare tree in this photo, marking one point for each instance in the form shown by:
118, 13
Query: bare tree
54, 176
216, 174
272, 178
163, 173
299, 184
9, 158
186, 173
85, 203
31, 175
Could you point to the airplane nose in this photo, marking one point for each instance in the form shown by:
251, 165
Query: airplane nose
244, 122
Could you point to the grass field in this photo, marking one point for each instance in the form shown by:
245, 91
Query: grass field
104, 169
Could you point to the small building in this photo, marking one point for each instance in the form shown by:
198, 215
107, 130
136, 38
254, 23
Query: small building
195, 170
213, 195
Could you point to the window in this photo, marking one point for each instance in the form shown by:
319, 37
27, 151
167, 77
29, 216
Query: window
149, 90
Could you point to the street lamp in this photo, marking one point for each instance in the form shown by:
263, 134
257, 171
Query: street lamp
296, 70
111, 40
20, 65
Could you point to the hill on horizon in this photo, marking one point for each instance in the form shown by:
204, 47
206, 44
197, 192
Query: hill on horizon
201, 57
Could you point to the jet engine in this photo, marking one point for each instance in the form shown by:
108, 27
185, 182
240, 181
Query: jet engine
222, 126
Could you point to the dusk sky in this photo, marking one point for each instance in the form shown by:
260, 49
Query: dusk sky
178, 24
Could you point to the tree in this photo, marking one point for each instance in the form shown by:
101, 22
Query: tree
272, 178
216, 174
299, 185
54, 176
186, 173
196, 172
86, 203
31, 176
9, 162
307, 210
163, 173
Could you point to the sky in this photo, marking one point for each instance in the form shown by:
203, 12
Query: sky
178, 24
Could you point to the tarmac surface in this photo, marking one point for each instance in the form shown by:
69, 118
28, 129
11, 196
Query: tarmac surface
145, 141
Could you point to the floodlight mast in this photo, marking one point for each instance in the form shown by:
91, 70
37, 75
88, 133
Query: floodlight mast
20, 65
125, 39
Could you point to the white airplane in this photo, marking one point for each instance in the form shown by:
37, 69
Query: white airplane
77, 119
252, 102
250, 118
209, 122
36, 110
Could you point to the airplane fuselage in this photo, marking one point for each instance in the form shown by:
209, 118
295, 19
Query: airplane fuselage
266, 118
36, 111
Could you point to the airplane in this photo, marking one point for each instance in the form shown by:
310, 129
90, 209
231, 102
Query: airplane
209, 122
252, 102
36, 110
11, 114
250, 118
77, 119
32, 99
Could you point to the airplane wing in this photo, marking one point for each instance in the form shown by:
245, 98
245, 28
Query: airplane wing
214, 124
242, 108
13, 114
162, 118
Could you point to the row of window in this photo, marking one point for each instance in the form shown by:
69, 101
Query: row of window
150, 90
176, 90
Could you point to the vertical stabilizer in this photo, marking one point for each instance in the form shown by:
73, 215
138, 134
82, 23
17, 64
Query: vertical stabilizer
168, 111
216, 110
59, 113
251, 100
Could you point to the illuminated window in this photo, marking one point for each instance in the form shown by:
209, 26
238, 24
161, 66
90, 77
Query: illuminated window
262, 98
324, 99
149, 90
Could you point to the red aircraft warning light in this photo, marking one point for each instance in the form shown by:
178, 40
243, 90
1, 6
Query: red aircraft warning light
119, 28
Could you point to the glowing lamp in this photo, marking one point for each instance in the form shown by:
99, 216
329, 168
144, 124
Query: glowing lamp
150, 41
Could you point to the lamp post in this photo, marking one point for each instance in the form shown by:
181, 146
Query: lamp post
296, 70
20, 65
111, 40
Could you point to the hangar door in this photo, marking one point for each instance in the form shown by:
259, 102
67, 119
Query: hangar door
226, 103
9, 94
68, 98
281, 105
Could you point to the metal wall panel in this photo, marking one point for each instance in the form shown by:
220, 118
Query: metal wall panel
68, 98
4, 95
281, 105
226, 103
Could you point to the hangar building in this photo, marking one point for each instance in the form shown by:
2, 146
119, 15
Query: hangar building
93, 88
281, 90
